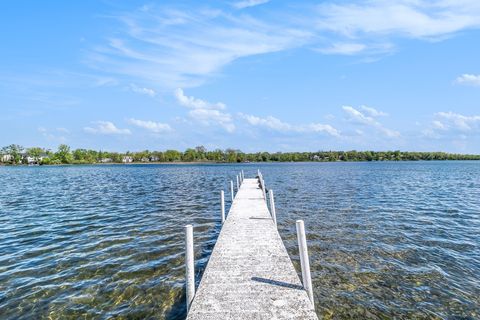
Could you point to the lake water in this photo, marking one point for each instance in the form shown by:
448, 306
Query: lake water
386, 240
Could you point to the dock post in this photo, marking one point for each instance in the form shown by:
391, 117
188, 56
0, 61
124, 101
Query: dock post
222, 201
304, 261
231, 189
238, 184
272, 207
243, 176
262, 184
189, 264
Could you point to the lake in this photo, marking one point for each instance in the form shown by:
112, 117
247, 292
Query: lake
386, 239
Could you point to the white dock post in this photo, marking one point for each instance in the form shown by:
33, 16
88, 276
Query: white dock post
272, 207
243, 176
222, 201
304, 261
238, 183
263, 188
189, 264
231, 189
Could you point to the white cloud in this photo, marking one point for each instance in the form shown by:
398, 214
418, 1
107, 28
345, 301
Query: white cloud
145, 91
452, 125
268, 122
106, 127
469, 79
182, 48
194, 103
54, 135
409, 18
212, 117
318, 127
156, 127
373, 112
358, 117
206, 112
451, 120
343, 48
170, 47
249, 3
278, 125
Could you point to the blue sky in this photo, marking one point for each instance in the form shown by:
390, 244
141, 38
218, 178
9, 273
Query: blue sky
252, 75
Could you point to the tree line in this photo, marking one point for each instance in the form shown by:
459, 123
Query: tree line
15, 154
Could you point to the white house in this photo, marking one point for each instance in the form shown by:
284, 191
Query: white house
127, 159
6, 158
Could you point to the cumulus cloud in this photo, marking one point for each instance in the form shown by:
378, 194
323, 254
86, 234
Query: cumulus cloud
205, 112
373, 112
451, 120
451, 124
106, 127
152, 126
358, 117
212, 117
249, 3
469, 79
278, 125
142, 90
194, 103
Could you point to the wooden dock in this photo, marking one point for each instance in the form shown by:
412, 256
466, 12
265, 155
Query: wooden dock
249, 274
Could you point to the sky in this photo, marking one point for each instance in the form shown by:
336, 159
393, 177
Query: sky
254, 75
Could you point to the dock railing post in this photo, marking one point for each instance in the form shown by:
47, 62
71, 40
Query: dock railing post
272, 207
304, 261
238, 184
222, 201
243, 176
231, 189
189, 264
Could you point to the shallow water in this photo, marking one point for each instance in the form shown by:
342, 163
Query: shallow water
386, 240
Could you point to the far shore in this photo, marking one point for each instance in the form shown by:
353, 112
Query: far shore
215, 162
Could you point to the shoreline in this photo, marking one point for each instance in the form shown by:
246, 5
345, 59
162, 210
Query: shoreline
222, 163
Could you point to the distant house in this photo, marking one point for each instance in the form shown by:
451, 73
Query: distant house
6, 158
33, 160
144, 159
154, 159
127, 159
105, 160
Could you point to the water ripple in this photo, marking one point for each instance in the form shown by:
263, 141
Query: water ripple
386, 240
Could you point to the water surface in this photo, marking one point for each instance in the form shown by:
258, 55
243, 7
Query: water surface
386, 240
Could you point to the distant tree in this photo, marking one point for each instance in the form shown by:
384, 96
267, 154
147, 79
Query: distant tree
15, 151
63, 155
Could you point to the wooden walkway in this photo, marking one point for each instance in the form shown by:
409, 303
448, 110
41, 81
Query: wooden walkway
249, 274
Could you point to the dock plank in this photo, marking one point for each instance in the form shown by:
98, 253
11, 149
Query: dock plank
249, 274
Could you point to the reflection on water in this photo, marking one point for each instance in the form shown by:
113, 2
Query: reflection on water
385, 239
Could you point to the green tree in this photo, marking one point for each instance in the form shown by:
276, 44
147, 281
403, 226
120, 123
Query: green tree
15, 151
63, 155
